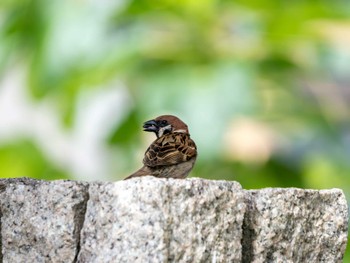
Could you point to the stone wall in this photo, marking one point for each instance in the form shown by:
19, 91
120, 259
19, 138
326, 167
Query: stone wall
159, 220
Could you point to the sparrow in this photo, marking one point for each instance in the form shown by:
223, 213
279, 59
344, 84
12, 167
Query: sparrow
172, 154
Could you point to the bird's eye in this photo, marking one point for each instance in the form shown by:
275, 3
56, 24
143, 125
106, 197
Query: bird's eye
164, 122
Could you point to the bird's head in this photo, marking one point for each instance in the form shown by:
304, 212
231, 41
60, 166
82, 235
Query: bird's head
165, 124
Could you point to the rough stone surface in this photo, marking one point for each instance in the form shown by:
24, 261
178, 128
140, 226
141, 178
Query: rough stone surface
2, 188
166, 220
206, 221
295, 225
163, 220
41, 221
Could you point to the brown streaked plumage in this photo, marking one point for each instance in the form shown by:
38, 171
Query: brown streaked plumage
172, 154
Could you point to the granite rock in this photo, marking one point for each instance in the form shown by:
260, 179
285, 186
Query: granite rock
41, 221
295, 225
2, 188
206, 219
168, 220
163, 220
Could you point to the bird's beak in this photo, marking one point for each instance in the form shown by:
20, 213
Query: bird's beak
151, 126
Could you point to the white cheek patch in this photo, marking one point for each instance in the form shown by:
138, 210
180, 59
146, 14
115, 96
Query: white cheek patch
164, 129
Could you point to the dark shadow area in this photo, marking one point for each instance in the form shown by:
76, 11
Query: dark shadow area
248, 234
79, 218
2, 189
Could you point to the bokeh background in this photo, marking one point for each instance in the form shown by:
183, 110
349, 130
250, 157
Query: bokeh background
263, 85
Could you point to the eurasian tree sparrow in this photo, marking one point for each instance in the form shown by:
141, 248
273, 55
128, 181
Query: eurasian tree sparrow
172, 154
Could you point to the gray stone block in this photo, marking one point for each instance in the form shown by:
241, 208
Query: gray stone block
206, 221
2, 188
168, 220
163, 220
41, 221
295, 225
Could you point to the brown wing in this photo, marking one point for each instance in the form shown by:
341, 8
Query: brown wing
170, 149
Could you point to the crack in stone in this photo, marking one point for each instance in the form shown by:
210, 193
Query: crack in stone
79, 218
2, 189
248, 234
0, 237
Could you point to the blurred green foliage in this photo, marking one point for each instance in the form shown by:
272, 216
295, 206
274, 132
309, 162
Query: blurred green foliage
23, 158
281, 66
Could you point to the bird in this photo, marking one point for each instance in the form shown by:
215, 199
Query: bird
173, 154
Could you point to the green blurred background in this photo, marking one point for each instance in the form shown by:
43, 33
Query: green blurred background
263, 85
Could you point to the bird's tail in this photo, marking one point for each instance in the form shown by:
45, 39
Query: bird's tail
143, 171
